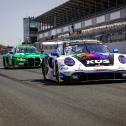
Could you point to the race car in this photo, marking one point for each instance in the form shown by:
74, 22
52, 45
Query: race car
83, 60
22, 56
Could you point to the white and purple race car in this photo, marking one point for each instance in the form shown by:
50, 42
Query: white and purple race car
83, 60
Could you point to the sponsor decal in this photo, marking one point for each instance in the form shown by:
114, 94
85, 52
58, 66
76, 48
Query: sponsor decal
99, 70
122, 59
79, 70
63, 67
97, 61
93, 56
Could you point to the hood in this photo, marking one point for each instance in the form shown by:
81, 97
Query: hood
19, 55
28, 55
95, 59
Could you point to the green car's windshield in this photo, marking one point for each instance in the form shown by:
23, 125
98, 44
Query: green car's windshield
26, 50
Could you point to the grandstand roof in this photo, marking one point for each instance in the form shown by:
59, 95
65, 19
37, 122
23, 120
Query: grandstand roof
74, 10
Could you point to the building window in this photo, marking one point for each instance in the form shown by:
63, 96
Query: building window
115, 15
88, 22
100, 19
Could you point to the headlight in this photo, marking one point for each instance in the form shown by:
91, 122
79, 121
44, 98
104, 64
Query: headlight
69, 61
122, 59
21, 59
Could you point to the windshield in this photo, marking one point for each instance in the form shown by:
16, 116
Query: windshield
26, 50
86, 48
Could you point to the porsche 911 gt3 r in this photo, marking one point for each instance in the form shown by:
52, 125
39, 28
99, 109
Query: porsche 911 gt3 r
83, 60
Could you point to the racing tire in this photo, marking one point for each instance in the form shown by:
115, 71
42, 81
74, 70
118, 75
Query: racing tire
44, 70
5, 64
58, 80
13, 63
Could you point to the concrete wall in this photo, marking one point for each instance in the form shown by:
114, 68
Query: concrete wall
120, 45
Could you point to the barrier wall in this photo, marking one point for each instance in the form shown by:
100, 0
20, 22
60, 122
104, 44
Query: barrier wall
120, 45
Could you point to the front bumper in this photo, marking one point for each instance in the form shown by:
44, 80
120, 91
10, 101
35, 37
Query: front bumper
81, 76
29, 62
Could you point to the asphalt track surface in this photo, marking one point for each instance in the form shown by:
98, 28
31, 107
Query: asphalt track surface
27, 100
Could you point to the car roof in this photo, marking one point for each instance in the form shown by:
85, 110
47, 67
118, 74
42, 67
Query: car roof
25, 46
70, 41
52, 42
74, 42
86, 41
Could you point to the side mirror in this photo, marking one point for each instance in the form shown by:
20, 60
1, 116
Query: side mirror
55, 52
115, 50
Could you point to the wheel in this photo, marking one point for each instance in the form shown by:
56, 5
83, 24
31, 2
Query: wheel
58, 80
13, 64
5, 64
44, 70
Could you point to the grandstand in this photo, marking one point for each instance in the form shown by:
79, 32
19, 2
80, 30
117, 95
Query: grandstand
79, 19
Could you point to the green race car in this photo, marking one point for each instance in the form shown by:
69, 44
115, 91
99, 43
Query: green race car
22, 56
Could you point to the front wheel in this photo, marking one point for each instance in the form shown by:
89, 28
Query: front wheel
13, 63
44, 70
58, 80
5, 64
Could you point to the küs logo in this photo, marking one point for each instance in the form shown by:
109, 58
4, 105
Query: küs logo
97, 62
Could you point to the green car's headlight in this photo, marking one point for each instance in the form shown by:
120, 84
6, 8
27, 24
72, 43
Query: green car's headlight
21, 59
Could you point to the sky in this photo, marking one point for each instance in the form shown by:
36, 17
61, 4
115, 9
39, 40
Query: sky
12, 13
